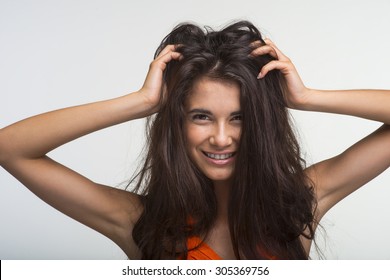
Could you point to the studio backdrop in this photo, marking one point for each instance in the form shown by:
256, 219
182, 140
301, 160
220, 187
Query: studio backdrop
55, 54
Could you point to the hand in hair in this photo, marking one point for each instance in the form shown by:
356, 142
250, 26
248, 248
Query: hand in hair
296, 93
153, 89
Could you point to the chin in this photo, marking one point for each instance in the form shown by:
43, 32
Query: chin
221, 179
218, 176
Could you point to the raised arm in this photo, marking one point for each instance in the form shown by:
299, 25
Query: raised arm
341, 175
24, 145
337, 177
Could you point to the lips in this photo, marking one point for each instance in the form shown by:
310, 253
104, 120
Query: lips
219, 156
220, 159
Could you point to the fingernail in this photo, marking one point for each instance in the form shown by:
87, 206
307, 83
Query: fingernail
259, 76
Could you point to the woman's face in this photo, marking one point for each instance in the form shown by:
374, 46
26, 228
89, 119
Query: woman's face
213, 127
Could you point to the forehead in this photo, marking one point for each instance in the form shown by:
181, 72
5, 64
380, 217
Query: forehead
207, 92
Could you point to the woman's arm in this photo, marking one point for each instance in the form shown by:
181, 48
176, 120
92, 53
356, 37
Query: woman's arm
367, 104
24, 145
337, 177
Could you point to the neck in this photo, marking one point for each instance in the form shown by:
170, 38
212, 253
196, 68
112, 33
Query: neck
222, 190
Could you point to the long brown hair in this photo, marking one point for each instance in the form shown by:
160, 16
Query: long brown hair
271, 204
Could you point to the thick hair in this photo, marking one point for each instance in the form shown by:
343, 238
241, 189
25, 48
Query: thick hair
271, 202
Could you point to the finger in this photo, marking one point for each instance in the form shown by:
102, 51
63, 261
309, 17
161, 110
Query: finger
167, 49
283, 66
163, 60
265, 49
257, 44
172, 55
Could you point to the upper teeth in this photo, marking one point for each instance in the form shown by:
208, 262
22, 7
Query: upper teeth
219, 156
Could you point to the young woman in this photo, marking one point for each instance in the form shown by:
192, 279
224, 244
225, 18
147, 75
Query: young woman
223, 176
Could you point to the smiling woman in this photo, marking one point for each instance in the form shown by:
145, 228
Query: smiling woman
223, 175
216, 115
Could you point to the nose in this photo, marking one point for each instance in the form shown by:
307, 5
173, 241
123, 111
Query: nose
221, 136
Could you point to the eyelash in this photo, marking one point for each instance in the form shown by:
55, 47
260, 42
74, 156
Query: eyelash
203, 117
237, 118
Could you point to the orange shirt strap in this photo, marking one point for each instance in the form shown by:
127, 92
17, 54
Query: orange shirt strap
198, 250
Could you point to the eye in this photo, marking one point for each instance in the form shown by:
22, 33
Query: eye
200, 117
237, 118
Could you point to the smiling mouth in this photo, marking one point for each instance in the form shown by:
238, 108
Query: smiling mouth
219, 156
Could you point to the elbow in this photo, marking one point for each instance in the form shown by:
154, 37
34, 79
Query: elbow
2, 151
2, 147
5, 147
385, 128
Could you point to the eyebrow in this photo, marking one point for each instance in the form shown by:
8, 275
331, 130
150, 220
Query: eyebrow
207, 112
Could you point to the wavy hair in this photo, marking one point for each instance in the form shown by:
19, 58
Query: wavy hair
271, 202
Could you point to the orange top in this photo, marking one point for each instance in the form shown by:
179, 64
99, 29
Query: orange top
199, 250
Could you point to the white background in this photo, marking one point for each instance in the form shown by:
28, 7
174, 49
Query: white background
55, 54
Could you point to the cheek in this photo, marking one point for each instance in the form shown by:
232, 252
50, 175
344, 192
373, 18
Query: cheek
195, 136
